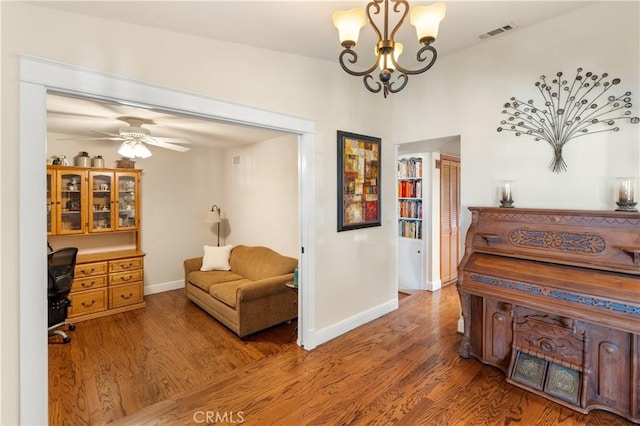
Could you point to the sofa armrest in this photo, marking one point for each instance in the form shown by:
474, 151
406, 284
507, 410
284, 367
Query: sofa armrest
264, 287
190, 265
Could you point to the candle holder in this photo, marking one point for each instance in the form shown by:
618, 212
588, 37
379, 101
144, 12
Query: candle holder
625, 194
506, 194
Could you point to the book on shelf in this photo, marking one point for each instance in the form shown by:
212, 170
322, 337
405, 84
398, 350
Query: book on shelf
410, 168
410, 229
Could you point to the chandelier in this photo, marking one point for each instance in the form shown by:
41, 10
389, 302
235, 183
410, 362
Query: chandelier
134, 148
426, 19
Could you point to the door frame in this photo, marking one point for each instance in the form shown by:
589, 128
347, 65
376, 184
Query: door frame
38, 76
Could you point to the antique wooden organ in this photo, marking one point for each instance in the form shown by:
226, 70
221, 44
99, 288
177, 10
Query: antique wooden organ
552, 298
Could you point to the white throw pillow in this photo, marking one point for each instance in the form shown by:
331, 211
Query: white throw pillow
216, 258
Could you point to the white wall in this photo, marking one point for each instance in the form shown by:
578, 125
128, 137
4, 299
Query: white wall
465, 92
354, 268
260, 205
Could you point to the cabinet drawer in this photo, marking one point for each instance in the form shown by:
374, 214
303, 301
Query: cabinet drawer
125, 264
89, 283
126, 277
87, 302
90, 269
126, 294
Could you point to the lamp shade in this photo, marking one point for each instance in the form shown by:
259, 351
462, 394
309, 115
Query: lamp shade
141, 151
348, 23
385, 61
126, 150
427, 19
134, 149
212, 217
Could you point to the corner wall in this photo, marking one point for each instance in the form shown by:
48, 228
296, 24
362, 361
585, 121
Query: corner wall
465, 92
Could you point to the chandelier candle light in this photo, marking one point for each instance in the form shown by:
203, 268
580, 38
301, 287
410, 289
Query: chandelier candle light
426, 19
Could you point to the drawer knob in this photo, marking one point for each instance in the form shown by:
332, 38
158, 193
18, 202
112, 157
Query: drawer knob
88, 305
88, 285
126, 297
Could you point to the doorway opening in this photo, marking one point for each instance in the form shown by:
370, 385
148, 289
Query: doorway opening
418, 248
38, 77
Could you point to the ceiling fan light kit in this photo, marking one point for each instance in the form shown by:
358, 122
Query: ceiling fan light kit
134, 149
134, 139
426, 20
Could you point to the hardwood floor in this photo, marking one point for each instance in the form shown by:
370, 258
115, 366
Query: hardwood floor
171, 364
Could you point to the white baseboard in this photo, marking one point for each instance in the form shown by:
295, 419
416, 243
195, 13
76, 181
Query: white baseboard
318, 337
162, 287
434, 285
461, 325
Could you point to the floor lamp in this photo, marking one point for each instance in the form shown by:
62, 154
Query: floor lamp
214, 217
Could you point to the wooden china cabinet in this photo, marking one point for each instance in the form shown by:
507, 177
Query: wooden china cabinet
98, 210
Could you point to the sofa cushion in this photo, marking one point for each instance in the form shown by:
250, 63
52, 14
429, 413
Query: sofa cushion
205, 279
258, 262
216, 258
226, 293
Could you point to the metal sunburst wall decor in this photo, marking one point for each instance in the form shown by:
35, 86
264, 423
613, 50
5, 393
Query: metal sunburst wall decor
569, 111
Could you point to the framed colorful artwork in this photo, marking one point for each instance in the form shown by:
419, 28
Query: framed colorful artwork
358, 181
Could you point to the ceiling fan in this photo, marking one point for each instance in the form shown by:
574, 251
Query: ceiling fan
134, 137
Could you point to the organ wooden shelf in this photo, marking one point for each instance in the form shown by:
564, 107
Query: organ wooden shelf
552, 298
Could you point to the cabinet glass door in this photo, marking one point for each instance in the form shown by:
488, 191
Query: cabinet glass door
71, 190
127, 201
51, 203
100, 202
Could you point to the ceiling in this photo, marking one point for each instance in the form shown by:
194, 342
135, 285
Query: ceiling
304, 29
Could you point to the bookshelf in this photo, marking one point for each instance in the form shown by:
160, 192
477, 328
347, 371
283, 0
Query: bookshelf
410, 215
410, 198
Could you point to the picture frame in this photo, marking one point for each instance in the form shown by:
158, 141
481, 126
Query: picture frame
359, 165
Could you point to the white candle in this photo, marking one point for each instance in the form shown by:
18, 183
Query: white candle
625, 193
506, 192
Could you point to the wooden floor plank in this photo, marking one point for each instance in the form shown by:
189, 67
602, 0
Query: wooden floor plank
172, 364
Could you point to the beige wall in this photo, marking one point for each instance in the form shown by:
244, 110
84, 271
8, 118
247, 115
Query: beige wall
261, 195
361, 272
461, 95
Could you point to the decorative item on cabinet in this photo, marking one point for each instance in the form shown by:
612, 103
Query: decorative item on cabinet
625, 193
506, 193
82, 160
125, 163
97, 161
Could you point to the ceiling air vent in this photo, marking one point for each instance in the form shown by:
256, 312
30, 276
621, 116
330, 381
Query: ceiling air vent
497, 31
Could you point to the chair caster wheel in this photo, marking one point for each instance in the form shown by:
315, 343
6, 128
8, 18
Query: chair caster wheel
72, 327
66, 339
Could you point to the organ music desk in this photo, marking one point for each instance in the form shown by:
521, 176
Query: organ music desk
552, 298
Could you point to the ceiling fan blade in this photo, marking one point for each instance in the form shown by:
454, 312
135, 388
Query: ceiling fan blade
171, 140
88, 138
170, 146
116, 135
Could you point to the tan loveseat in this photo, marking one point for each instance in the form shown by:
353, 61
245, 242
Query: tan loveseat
251, 296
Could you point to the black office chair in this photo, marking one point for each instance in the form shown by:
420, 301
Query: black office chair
62, 265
